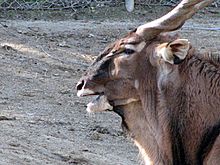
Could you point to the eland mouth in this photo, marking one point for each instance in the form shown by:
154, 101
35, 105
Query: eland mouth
101, 101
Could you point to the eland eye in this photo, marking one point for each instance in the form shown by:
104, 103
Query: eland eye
129, 51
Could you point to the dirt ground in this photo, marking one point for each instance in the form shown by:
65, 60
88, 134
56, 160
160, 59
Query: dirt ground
41, 119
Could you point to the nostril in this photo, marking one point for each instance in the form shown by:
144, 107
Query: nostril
79, 86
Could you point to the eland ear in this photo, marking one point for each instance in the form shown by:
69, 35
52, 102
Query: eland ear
173, 52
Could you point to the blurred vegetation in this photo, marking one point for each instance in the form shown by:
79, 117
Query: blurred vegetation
77, 9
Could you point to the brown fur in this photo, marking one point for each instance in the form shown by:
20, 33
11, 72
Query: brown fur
176, 120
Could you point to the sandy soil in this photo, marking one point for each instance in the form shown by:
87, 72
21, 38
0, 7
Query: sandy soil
41, 119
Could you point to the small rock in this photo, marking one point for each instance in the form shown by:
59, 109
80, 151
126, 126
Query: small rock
7, 118
91, 35
65, 91
71, 129
63, 44
95, 136
101, 130
14, 144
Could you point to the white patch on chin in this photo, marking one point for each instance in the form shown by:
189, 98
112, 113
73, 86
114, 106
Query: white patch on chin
84, 92
98, 105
